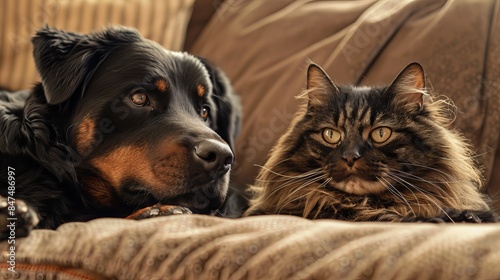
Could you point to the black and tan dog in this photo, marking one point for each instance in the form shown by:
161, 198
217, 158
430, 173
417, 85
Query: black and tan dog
119, 127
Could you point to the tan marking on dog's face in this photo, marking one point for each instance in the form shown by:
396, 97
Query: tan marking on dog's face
161, 85
201, 90
99, 192
126, 162
161, 171
170, 163
85, 135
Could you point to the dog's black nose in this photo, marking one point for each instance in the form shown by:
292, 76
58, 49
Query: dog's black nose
214, 156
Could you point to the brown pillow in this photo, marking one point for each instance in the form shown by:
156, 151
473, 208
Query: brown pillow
264, 47
162, 21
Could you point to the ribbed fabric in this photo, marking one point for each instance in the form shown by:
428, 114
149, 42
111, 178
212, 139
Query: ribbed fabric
162, 21
260, 247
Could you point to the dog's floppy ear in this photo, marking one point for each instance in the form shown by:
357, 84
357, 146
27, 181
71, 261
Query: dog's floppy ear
228, 127
228, 104
67, 60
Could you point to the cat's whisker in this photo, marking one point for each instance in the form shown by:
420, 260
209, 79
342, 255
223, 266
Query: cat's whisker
320, 187
287, 201
289, 177
402, 181
290, 180
274, 165
293, 181
402, 174
412, 176
429, 195
416, 178
409, 189
305, 184
396, 193
473, 156
296, 181
298, 178
429, 168
326, 182
426, 194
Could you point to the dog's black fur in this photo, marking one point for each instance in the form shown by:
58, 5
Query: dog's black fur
82, 149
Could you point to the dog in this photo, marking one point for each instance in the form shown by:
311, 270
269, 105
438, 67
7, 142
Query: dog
118, 127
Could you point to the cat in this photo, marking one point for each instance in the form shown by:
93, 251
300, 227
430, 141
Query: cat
372, 154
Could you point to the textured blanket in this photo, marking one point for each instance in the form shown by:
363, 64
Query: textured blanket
271, 247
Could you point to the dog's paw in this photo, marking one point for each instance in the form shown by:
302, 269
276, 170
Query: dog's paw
16, 218
158, 210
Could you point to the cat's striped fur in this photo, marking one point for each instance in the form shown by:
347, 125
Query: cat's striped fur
372, 154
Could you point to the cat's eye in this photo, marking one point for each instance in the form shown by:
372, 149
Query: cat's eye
331, 136
381, 134
139, 99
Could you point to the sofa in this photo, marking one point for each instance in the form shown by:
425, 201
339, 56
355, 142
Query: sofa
264, 48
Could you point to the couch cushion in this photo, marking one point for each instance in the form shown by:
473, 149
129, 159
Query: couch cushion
162, 21
203, 10
264, 47
261, 247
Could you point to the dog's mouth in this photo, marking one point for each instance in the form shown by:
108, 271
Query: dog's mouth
203, 200
198, 204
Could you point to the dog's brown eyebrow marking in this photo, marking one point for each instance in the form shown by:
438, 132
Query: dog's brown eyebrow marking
201, 90
161, 85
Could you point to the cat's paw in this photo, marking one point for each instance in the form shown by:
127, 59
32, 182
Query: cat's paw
158, 210
476, 216
16, 218
466, 216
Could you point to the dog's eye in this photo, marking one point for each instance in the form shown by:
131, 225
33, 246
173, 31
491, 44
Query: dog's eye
139, 99
205, 112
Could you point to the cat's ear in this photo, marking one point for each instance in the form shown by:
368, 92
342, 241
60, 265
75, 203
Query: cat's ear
319, 85
409, 87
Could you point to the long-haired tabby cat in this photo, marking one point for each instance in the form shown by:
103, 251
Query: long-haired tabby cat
372, 154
